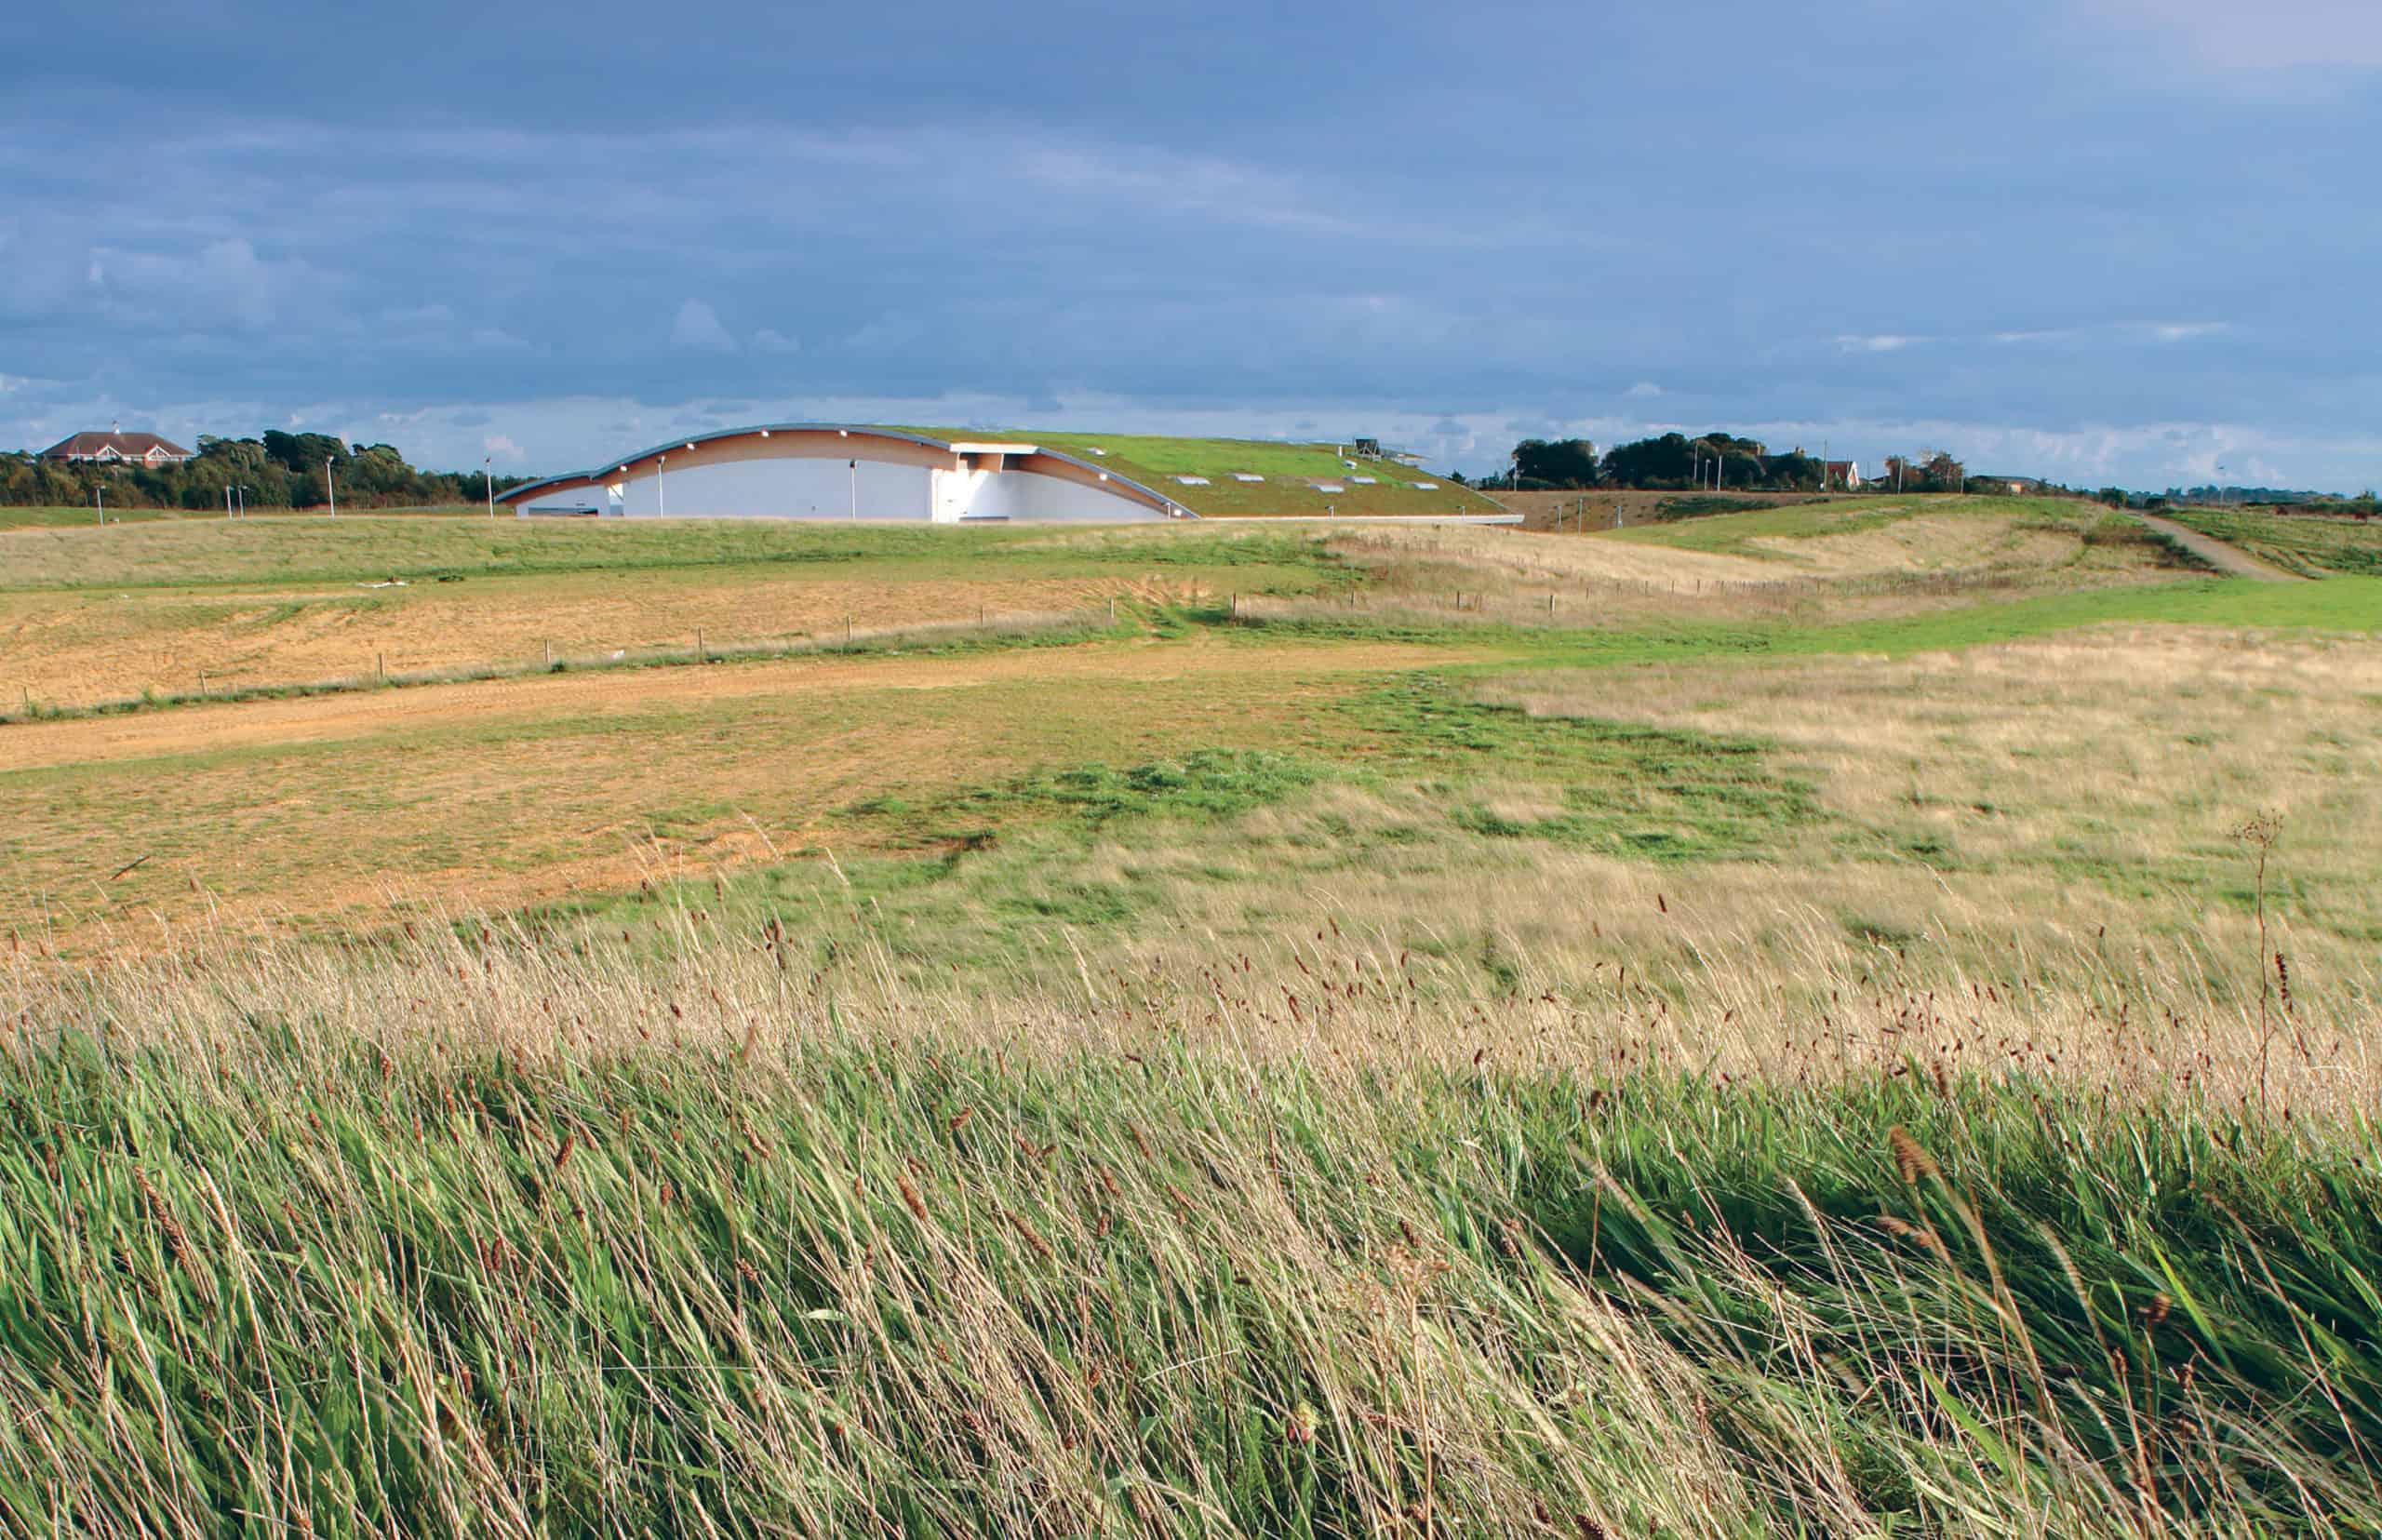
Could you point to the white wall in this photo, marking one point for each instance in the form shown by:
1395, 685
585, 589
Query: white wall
1026, 497
821, 489
780, 489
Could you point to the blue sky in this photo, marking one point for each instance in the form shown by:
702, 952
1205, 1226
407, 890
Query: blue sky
2123, 240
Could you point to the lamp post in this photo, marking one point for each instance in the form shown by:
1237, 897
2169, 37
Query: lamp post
99, 500
330, 488
854, 466
487, 473
662, 486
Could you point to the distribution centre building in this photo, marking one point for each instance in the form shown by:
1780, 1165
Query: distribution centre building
842, 471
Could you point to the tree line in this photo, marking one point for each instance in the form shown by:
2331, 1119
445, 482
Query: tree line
1716, 462
276, 470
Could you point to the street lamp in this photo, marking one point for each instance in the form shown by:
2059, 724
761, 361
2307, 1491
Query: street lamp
662, 486
330, 488
854, 466
487, 473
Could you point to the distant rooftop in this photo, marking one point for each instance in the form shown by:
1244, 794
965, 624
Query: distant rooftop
116, 447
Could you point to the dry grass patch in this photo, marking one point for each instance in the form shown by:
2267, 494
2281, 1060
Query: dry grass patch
523, 790
1929, 543
81, 648
2121, 758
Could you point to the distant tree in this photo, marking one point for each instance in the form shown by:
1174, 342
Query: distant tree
1793, 472
2114, 496
1666, 462
303, 451
278, 470
1738, 464
1565, 464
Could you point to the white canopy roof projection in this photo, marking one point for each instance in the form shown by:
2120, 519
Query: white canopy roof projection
845, 471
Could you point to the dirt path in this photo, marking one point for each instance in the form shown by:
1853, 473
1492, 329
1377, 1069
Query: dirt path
2231, 560
199, 730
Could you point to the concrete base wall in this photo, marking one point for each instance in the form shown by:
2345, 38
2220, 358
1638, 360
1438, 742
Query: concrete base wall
875, 492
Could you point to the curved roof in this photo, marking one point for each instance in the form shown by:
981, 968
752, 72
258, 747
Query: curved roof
850, 430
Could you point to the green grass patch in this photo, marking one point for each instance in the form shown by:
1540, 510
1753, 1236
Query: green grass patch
1430, 764
1290, 472
2306, 543
920, 1283
196, 553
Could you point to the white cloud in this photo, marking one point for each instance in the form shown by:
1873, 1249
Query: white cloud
1881, 342
2184, 331
697, 330
1644, 390
498, 444
770, 341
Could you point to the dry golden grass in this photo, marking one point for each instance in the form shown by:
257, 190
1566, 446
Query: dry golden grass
81, 648
1576, 512
1927, 543
1011, 1286
2143, 743
1907, 566
345, 809
1621, 970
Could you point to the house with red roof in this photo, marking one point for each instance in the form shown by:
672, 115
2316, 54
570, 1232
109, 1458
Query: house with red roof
116, 449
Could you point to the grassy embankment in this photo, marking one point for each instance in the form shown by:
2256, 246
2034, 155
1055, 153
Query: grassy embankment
1833, 1068
14, 517
969, 792
2311, 546
270, 606
1290, 472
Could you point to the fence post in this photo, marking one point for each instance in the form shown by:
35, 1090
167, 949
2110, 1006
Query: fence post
702, 653
381, 665
550, 654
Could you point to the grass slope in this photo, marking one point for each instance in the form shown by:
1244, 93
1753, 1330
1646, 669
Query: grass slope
2311, 546
195, 553
1289, 469
12, 517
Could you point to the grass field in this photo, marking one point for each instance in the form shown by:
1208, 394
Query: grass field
2312, 545
91, 617
13, 517
1853, 1018
1586, 511
1290, 472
